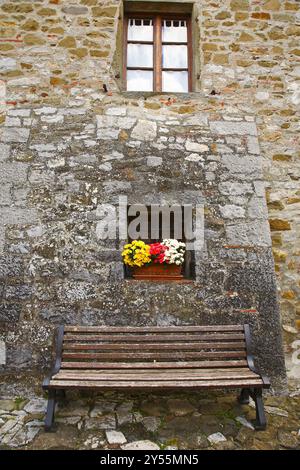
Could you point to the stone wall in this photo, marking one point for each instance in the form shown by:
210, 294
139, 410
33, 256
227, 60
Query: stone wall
56, 56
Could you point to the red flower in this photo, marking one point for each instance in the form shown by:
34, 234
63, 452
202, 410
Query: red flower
157, 252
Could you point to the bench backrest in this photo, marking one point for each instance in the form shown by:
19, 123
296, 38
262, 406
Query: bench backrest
133, 347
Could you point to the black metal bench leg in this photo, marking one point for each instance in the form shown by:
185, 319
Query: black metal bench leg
243, 398
62, 393
49, 420
260, 423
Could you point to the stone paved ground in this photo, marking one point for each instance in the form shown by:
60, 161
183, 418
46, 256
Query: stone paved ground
143, 421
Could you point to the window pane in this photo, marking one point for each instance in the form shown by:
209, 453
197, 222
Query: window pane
139, 80
175, 57
175, 81
140, 30
174, 31
139, 55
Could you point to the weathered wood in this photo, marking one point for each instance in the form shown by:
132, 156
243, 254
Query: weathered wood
117, 384
154, 329
152, 365
156, 346
155, 372
150, 375
154, 337
157, 356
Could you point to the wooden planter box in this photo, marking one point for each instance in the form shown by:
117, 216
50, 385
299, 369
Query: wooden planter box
158, 272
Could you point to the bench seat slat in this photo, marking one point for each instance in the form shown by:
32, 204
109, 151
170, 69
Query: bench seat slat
181, 384
149, 329
156, 346
191, 374
157, 355
155, 337
153, 365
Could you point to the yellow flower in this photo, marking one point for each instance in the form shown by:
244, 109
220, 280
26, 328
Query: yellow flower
136, 253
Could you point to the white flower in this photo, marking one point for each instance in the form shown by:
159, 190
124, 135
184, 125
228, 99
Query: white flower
175, 251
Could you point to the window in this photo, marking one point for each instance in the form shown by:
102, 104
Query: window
158, 53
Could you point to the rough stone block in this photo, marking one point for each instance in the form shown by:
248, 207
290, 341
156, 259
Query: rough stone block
59, 314
18, 216
19, 112
244, 165
140, 445
75, 10
115, 437
257, 234
10, 312
116, 111
235, 188
11, 266
232, 212
196, 147
7, 64
154, 161
18, 292
257, 208
5, 197
45, 110
116, 186
3, 355
260, 188
15, 134
74, 291
144, 130
13, 172
4, 152
253, 145
20, 196
234, 128
12, 121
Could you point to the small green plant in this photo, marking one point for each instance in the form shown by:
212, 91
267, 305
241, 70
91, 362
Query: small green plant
226, 414
19, 402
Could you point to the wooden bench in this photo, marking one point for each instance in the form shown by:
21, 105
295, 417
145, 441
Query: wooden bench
155, 358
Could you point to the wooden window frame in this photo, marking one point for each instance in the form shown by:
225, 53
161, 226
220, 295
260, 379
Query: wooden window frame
157, 43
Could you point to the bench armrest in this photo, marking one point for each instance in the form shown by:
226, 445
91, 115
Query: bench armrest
250, 358
58, 356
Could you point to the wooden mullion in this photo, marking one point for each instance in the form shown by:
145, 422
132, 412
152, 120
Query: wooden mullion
157, 52
125, 42
150, 43
190, 53
140, 68
174, 69
170, 43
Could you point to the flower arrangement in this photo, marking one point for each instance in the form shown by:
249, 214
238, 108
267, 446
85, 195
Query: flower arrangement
138, 253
